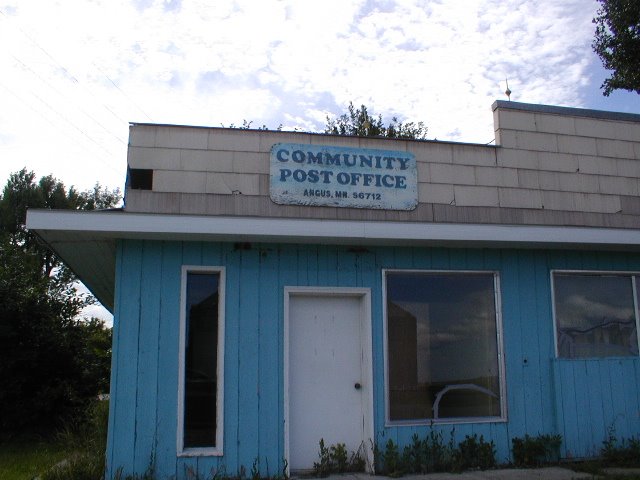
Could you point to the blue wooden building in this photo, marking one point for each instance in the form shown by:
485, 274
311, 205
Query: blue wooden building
270, 289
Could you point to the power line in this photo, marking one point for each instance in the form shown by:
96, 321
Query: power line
49, 85
74, 80
71, 77
57, 126
122, 92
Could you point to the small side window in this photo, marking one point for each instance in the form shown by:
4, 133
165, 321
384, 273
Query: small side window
140, 179
201, 346
596, 314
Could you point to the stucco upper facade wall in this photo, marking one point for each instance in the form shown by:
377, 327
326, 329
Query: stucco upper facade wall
550, 166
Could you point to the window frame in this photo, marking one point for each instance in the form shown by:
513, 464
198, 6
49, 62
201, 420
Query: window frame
634, 275
218, 449
499, 346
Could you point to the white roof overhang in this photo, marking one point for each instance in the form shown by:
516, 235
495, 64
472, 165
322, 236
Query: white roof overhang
86, 241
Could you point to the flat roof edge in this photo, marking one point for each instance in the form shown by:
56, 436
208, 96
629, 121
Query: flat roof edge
313, 134
569, 111
216, 228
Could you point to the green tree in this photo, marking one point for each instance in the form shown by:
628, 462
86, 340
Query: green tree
22, 192
358, 121
617, 43
51, 359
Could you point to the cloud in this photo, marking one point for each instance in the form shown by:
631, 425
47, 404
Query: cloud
84, 69
76, 72
578, 311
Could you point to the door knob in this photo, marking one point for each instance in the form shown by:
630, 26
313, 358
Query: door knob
357, 386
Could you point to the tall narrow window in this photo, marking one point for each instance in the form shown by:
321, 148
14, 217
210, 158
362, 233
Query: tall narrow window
596, 314
443, 353
202, 360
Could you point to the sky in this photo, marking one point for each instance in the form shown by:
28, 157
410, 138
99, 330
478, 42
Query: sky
75, 73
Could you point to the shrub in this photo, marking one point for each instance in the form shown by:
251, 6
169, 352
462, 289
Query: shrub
415, 455
391, 461
474, 453
536, 451
431, 454
441, 454
624, 453
336, 459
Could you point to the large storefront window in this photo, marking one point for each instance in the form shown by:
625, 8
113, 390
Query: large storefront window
201, 366
443, 348
596, 314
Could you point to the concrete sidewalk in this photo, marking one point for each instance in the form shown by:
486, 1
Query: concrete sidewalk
549, 473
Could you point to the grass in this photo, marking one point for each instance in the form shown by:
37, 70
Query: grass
621, 477
86, 443
81, 443
24, 458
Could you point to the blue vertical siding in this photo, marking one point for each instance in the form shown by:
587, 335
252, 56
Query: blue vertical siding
168, 347
248, 362
270, 406
124, 390
147, 374
510, 285
543, 394
596, 398
112, 430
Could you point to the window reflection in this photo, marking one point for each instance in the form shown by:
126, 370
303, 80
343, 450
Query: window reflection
595, 315
442, 345
201, 344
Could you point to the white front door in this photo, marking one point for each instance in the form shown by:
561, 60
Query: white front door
329, 373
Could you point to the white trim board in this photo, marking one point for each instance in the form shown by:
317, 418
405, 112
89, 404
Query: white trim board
218, 449
499, 346
86, 240
120, 224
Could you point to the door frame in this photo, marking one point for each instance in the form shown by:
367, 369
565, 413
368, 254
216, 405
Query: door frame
364, 295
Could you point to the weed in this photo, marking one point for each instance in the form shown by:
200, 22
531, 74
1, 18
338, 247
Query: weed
623, 453
536, 451
432, 454
79, 466
336, 459
323, 467
357, 461
149, 474
391, 460
219, 473
414, 455
552, 445
339, 457
255, 470
86, 438
474, 453
440, 455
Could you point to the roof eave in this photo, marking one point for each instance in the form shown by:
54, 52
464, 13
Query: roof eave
86, 241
